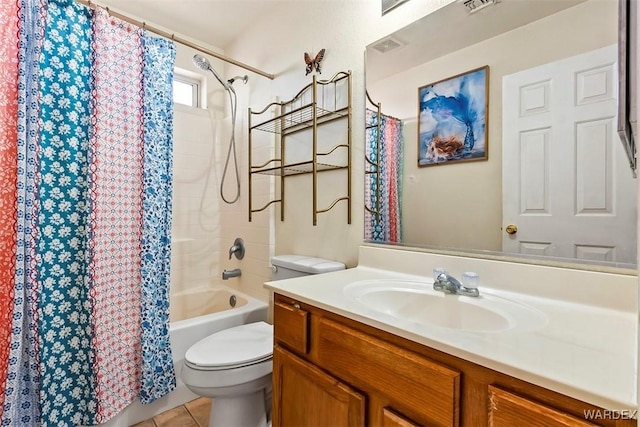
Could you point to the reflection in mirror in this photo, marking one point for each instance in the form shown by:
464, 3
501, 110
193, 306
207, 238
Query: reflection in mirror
556, 182
383, 176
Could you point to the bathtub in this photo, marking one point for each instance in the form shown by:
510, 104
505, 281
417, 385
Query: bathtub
213, 312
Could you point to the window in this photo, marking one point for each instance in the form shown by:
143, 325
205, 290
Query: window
187, 89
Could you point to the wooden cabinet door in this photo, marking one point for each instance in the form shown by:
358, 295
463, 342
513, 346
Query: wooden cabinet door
304, 395
510, 410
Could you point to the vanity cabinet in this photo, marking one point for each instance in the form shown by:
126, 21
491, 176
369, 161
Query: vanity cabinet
330, 370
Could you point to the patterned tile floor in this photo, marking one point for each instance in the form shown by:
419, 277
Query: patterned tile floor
191, 414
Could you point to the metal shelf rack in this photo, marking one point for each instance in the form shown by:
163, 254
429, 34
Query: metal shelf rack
317, 104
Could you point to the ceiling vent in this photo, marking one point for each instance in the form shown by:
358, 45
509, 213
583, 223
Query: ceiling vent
387, 45
474, 6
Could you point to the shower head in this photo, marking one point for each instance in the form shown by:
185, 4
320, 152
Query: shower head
201, 62
204, 64
244, 79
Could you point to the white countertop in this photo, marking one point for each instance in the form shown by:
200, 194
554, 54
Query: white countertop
586, 351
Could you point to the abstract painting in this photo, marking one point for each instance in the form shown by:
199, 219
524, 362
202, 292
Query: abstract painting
453, 116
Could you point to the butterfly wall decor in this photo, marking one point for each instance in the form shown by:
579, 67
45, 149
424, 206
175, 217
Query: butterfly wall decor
313, 63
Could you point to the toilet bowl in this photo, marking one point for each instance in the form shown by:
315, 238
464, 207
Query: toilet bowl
233, 367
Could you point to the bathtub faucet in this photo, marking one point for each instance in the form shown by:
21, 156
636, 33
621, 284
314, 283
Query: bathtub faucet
237, 249
227, 274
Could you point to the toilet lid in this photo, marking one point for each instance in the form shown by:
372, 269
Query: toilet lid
233, 347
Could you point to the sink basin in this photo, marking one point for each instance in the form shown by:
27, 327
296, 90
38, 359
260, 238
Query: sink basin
417, 302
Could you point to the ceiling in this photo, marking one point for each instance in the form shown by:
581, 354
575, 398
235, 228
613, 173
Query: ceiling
215, 22
416, 41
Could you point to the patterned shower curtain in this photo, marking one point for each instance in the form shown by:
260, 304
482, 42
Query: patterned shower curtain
64, 325
21, 407
8, 177
158, 375
386, 226
86, 118
116, 211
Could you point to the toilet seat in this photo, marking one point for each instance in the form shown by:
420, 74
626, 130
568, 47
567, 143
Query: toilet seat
232, 348
226, 367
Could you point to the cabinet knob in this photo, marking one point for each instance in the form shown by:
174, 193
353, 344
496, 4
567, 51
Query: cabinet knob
296, 305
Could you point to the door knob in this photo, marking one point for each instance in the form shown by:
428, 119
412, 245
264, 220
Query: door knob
511, 229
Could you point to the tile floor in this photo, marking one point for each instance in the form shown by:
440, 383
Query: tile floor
191, 414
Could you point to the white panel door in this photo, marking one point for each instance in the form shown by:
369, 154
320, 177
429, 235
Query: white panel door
566, 182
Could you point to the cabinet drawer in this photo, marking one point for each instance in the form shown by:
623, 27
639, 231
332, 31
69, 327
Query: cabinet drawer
507, 409
422, 389
291, 327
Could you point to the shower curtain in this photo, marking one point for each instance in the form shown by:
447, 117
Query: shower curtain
387, 225
86, 118
8, 177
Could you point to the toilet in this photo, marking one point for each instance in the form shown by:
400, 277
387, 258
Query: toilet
234, 366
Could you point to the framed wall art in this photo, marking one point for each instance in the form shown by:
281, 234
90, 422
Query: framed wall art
388, 5
453, 116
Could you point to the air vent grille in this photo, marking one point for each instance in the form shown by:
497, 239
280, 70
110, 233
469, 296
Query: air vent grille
387, 45
474, 6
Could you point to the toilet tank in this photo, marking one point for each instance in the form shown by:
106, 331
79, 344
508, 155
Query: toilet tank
289, 266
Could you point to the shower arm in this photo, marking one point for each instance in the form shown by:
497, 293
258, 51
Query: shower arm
244, 79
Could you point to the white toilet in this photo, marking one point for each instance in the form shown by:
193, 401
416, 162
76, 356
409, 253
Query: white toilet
234, 366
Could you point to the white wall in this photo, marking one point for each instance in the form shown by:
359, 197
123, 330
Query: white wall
195, 237
276, 44
204, 227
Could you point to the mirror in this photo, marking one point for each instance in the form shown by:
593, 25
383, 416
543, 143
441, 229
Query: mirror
556, 183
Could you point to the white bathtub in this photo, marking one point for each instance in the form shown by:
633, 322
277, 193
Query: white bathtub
211, 306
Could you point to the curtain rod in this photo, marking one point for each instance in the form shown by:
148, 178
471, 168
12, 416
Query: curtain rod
175, 38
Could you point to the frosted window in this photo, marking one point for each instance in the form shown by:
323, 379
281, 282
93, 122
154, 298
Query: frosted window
186, 90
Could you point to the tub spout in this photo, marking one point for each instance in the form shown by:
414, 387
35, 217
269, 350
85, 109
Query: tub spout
227, 274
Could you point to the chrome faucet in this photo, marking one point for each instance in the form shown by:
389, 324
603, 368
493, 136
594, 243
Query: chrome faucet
450, 285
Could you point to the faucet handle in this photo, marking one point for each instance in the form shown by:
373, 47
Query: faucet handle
470, 279
237, 249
